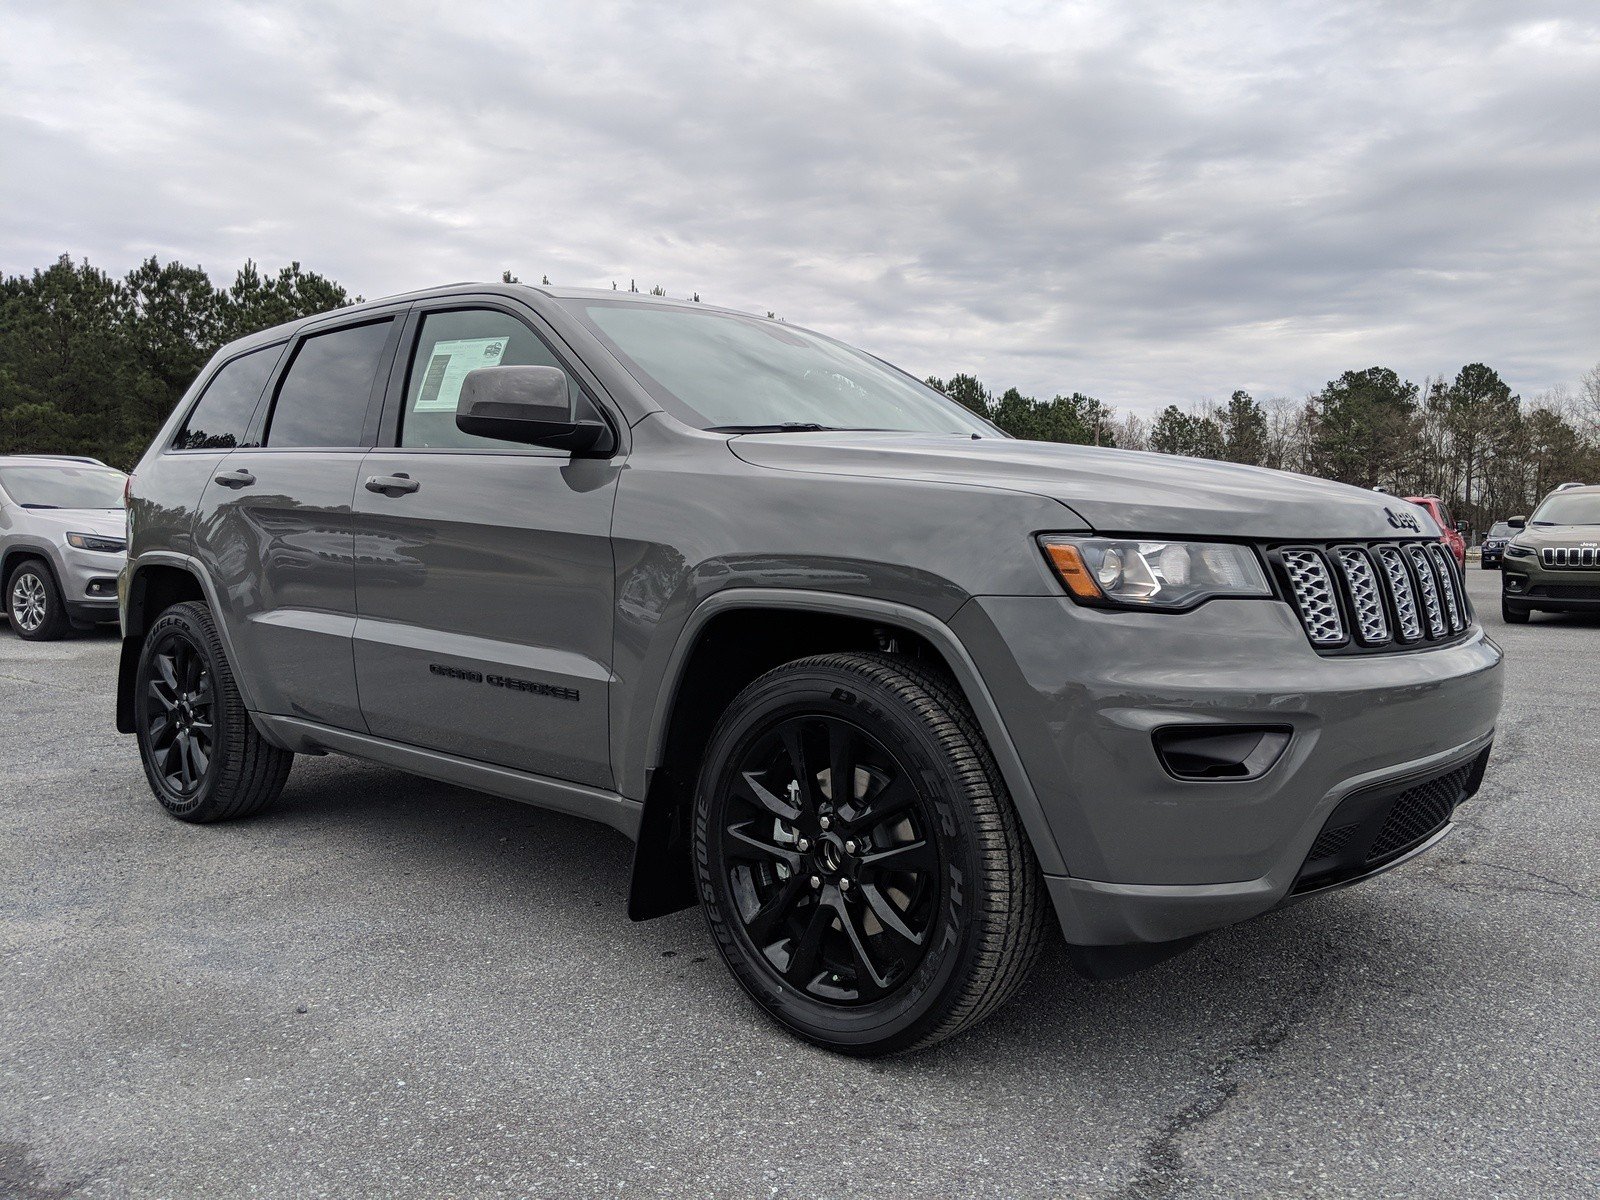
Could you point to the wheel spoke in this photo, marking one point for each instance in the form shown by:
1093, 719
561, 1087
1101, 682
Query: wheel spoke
888, 915
841, 764
162, 697
169, 672
764, 797
891, 799
918, 856
803, 957
768, 919
794, 743
858, 946
160, 729
746, 845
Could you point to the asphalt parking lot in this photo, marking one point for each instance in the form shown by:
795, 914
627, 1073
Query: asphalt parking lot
385, 986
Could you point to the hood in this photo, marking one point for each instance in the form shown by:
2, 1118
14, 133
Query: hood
1536, 537
1110, 491
58, 522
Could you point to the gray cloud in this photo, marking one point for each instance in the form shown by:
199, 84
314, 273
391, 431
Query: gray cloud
1148, 202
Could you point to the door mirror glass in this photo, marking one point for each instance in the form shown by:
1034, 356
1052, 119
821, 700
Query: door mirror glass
530, 405
1517, 522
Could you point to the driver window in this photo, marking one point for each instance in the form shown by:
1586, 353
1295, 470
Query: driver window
451, 344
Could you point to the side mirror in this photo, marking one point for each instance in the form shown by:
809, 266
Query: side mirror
1461, 527
531, 405
1517, 522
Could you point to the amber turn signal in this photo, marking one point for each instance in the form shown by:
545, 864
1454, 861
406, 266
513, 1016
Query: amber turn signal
1069, 565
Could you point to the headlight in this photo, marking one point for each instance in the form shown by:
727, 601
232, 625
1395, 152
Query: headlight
1515, 551
1153, 574
90, 541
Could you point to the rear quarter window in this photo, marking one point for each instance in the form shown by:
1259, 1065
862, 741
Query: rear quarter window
222, 417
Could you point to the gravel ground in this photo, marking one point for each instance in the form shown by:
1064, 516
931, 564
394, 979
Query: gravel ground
389, 987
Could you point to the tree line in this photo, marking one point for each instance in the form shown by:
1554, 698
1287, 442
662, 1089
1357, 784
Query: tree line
93, 364
1467, 438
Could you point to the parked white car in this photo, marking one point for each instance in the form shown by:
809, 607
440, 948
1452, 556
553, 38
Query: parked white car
63, 541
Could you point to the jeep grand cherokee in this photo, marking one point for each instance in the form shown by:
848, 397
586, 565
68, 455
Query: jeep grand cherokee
881, 689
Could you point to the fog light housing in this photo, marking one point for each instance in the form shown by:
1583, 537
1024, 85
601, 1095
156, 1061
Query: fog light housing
1220, 753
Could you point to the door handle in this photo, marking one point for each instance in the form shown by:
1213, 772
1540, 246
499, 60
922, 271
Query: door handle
236, 479
392, 485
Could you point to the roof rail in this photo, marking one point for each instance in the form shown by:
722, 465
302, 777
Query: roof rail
77, 458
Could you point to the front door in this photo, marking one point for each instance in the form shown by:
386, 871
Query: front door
484, 574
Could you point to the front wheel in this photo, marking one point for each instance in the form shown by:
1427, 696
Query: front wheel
33, 602
202, 754
1513, 616
861, 867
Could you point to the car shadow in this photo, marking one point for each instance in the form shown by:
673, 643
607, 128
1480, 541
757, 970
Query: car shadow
1233, 997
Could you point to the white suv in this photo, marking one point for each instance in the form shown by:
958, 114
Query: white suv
63, 541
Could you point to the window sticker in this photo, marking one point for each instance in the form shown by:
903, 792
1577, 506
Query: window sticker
448, 366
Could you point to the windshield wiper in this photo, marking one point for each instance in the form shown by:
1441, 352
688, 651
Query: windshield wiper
781, 427
41, 506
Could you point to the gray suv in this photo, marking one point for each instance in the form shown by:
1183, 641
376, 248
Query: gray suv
884, 691
62, 539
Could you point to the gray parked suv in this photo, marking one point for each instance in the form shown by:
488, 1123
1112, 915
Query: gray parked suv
62, 539
880, 688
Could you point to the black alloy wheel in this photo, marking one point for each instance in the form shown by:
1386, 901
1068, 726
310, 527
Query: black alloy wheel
859, 862
832, 858
180, 714
202, 754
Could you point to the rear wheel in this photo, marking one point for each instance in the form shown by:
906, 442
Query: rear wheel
1512, 615
33, 602
860, 864
202, 754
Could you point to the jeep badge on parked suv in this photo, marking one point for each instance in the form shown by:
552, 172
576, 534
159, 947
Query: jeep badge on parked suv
882, 690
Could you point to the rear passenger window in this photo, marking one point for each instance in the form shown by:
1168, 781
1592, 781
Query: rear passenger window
323, 398
220, 420
451, 344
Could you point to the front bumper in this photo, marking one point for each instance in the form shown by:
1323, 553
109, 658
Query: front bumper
1152, 858
89, 583
1529, 585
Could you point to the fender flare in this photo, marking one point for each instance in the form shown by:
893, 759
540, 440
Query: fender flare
133, 631
923, 623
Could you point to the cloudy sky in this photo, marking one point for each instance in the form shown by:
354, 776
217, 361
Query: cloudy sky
1148, 202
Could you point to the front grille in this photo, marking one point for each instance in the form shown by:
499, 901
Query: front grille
1376, 826
1574, 558
1374, 596
1566, 591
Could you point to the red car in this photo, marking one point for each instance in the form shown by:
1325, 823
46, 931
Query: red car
1450, 535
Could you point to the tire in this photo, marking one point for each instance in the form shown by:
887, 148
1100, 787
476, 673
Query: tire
1513, 616
888, 923
34, 604
202, 753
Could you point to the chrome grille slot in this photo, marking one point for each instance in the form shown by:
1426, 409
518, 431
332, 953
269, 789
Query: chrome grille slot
1431, 604
1314, 596
1372, 623
1401, 594
1454, 607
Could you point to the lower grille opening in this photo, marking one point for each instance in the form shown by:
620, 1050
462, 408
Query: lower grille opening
1378, 825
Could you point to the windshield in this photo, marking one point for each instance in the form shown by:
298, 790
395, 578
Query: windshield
1569, 508
717, 370
63, 486
1499, 529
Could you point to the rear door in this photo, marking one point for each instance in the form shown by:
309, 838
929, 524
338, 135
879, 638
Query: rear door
275, 525
484, 580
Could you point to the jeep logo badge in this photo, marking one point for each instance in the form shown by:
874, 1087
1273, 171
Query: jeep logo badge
1403, 520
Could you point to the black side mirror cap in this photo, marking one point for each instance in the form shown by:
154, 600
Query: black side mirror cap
1517, 522
527, 404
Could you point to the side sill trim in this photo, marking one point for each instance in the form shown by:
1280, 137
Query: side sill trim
594, 804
